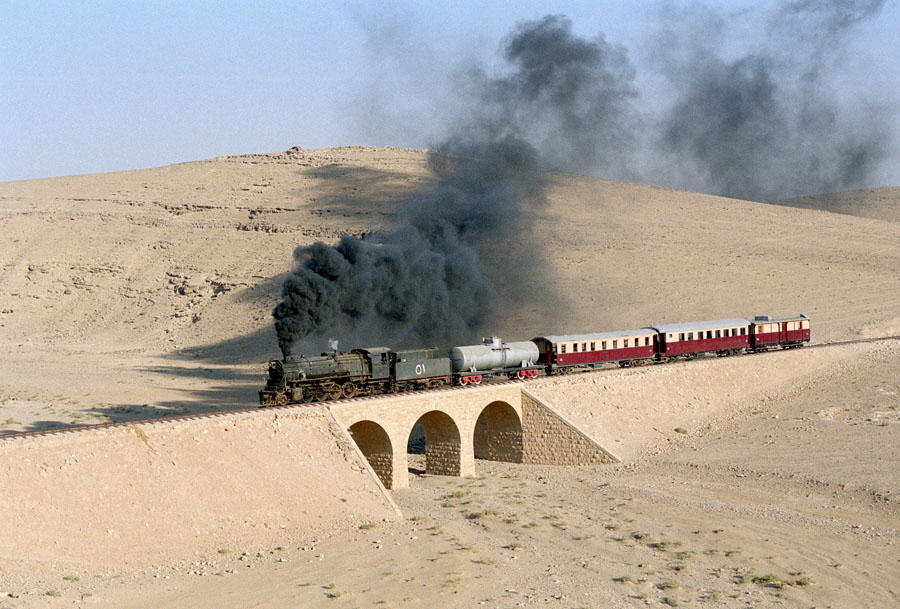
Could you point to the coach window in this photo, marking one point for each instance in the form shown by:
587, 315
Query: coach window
743, 331
615, 344
626, 343
562, 348
584, 346
574, 347
603, 345
646, 341
593, 346
690, 336
681, 336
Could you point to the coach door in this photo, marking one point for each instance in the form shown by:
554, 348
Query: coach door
783, 332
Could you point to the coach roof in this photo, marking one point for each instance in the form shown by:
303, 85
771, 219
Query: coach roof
566, 338
713, 324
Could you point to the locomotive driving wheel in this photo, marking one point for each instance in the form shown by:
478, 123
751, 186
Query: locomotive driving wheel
348, 390
331, 391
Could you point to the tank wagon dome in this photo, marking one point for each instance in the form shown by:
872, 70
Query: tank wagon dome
693, 326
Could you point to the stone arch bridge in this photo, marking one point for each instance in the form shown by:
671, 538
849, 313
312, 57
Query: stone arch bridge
499, 422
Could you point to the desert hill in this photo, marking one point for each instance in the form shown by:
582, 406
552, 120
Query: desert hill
133, 292
875, 203
143, 293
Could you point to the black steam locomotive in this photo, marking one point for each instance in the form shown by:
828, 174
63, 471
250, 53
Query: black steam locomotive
336, 374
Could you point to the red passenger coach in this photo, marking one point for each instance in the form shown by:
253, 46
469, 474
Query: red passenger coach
766, 332
722, 336
593, 350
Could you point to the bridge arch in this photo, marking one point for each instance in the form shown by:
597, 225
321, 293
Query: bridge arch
498, 433
443, 450
375, 444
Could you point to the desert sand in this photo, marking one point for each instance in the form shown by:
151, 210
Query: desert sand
763, 480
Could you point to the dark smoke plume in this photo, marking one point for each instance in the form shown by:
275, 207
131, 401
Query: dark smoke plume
464, 252
767, 125
427, 283
570, 97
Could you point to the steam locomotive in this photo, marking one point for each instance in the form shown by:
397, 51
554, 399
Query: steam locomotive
379, 370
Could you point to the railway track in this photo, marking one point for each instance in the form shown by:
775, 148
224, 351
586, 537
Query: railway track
71, 429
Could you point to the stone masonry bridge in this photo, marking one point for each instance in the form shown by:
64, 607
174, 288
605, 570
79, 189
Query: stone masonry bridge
498, 422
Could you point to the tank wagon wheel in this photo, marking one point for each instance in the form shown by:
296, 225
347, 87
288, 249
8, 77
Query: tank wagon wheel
523, 374
348, 390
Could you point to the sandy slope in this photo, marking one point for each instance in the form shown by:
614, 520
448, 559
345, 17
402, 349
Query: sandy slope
148, 292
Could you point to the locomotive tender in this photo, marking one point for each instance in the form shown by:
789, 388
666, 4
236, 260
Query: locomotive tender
379, 370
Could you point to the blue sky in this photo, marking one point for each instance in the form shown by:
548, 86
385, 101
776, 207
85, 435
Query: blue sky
97, 86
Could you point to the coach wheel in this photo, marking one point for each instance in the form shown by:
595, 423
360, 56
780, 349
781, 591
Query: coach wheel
348, 390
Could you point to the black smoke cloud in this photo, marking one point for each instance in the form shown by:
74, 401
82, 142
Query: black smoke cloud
767, 124
588, 84
764, 103
434, 280
462, 253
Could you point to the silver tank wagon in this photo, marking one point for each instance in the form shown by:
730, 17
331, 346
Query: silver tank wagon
494, 354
